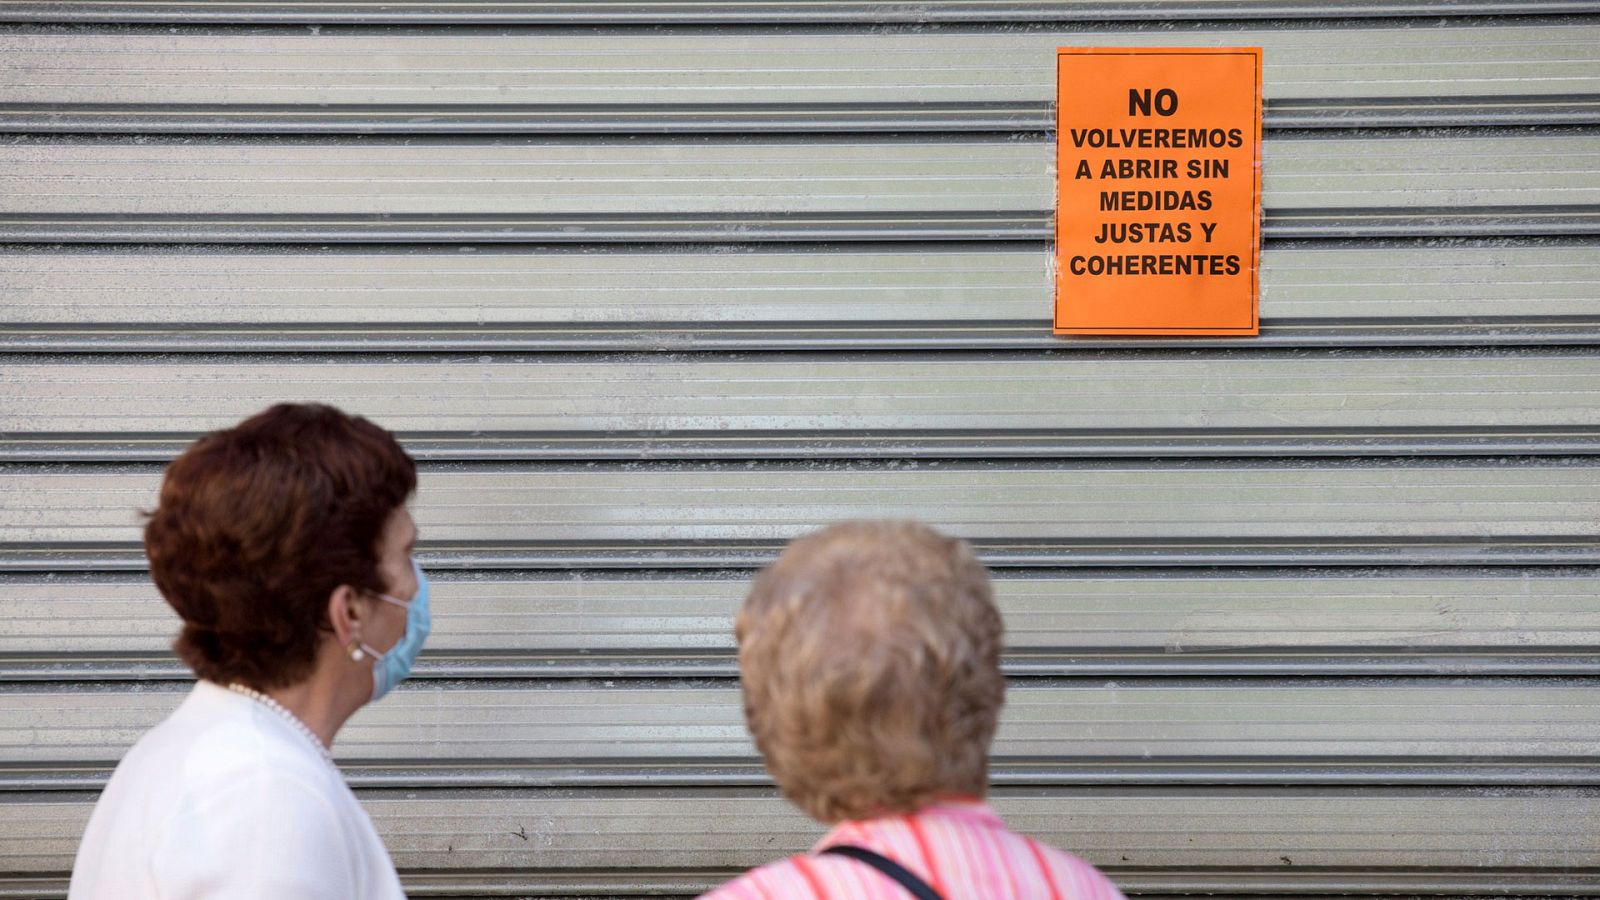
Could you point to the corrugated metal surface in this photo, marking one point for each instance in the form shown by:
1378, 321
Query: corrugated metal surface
1136, 396
725, 12
845, 177
584, 840
933, 286
1304, 60
608, 625
664, 724
1314, 294
607, 622
1033, 507
651, 287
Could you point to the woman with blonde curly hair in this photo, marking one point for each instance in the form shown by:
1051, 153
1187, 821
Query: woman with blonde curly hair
870, 658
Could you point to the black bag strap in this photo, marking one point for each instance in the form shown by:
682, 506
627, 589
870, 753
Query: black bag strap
889, 867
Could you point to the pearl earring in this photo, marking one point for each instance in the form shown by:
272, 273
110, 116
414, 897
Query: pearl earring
356, 653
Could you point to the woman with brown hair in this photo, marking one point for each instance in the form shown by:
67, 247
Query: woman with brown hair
870, 660
284, 544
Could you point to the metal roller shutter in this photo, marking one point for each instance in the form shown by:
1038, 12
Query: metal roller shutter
651, 287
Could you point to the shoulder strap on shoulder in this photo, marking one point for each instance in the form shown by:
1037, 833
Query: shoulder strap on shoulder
889, 867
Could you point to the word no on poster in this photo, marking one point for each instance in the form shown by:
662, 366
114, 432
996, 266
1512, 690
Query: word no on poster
1158, 200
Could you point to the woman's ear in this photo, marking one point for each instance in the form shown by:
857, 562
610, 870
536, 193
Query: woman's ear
347, 614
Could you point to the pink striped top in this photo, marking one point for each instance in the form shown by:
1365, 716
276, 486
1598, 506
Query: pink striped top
962, 850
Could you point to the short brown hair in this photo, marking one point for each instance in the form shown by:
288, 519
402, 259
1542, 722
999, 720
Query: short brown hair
259, 523
870, 657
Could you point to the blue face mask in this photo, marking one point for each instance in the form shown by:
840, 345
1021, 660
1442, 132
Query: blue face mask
392, 667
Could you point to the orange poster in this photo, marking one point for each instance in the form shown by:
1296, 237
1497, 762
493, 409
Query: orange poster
1158, 190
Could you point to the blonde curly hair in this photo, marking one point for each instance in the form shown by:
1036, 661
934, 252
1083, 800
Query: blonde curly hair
870, 659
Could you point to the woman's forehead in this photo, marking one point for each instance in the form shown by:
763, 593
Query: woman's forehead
400, 530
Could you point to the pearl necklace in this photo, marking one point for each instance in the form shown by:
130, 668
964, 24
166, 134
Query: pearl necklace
287, 716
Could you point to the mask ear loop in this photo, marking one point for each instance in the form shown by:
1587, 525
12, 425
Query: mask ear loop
358, 648
360, 651
405, 605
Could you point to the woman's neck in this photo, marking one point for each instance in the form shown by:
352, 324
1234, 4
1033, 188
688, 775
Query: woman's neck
326, 700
